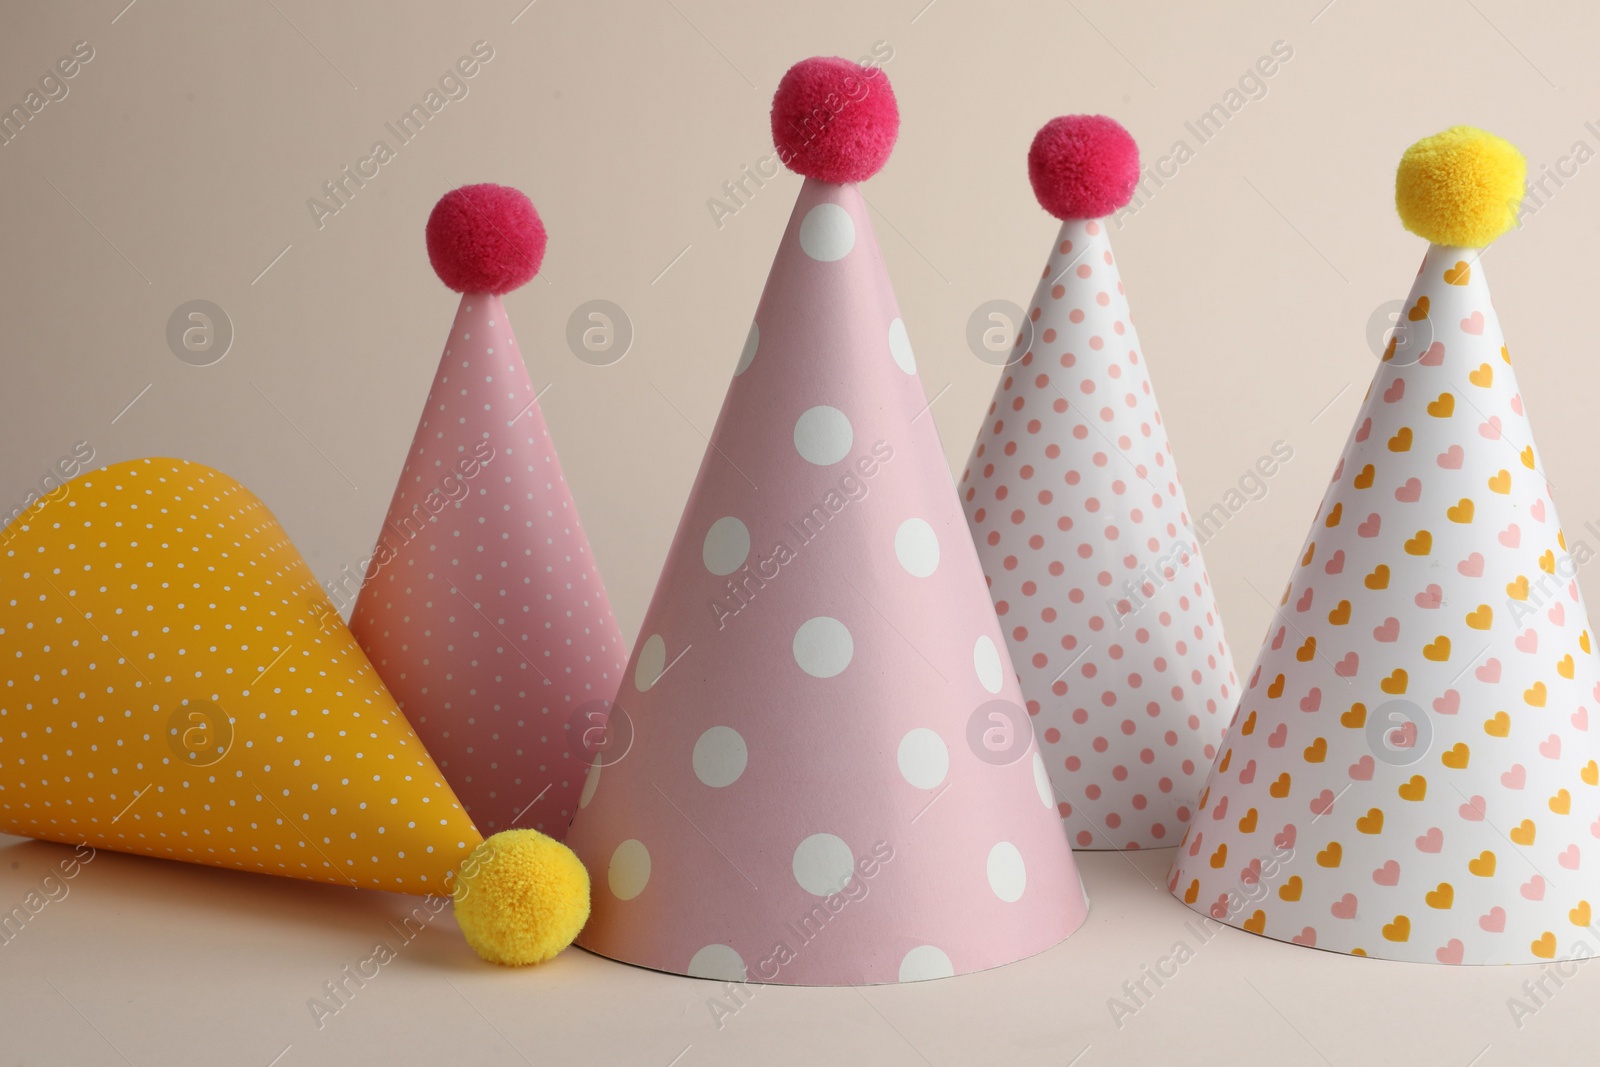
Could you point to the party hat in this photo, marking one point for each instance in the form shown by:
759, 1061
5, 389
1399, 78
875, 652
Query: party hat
481, 606
1083, 533
183, 688
820, 665
1411, 773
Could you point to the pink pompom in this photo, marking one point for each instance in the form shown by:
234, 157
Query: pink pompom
485, 239
834, 120
1083, 166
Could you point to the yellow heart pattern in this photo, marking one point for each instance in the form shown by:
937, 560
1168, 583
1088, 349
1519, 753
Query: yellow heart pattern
1451, 642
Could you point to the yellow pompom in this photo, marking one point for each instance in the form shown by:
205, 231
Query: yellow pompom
1460, 187
521, 897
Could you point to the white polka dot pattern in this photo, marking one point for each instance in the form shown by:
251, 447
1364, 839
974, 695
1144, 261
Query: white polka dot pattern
182, 688
808, 675
483, 608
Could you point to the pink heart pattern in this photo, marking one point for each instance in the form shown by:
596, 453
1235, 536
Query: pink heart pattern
1449, 758
1093, 562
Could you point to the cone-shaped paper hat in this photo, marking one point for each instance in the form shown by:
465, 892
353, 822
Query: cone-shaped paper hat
1411, 773
820, 664
482, 607
1083, 532
182, 688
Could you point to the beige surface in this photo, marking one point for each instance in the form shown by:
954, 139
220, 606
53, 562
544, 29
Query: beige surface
140, 965
179, 164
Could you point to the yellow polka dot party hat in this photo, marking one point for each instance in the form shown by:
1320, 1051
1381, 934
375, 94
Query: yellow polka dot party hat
1411, 772
178, 685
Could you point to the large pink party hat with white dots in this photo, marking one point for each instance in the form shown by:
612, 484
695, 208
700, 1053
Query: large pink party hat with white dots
1412, 770
1083, 532
831, 778
481, 606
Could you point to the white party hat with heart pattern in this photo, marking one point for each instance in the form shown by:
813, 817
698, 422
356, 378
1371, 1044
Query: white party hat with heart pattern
1411, 772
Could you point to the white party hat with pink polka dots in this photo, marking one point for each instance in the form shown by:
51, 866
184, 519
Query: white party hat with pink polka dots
831, 778
481, 606
1411, 772
1083, 532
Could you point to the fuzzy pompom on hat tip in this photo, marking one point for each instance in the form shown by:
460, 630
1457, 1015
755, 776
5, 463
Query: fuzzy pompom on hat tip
485, 239
1462, 187
1083, 166
834, 120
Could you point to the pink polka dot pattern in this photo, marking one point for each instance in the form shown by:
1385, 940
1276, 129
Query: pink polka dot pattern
1084, 536
482, 609
802, 803
1412, 772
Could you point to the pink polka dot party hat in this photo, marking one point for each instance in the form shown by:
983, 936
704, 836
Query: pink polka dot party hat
481, 606
1083, 532
1411, 772
830, 777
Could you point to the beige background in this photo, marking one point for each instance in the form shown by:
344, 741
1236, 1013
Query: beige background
179, 165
